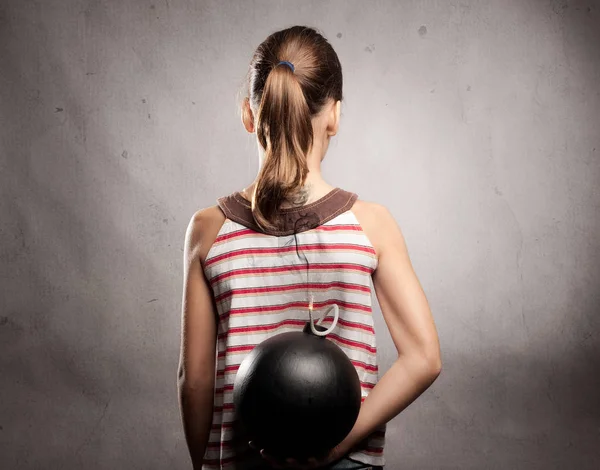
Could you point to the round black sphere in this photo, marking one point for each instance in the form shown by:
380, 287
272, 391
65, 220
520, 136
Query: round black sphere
297, 395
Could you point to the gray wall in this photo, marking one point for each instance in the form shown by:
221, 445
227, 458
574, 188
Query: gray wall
476, 123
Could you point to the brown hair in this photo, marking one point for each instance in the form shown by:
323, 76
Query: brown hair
284, 102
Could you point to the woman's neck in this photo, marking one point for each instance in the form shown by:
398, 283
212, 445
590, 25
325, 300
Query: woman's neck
314, 188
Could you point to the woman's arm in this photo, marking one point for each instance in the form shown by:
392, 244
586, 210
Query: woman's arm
196, 374
409, 320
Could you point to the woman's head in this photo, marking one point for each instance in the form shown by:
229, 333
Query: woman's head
283, 105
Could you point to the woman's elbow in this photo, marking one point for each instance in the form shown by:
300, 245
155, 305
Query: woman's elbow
193, 382
434, 362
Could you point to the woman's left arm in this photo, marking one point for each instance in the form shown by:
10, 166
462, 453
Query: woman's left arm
410, 322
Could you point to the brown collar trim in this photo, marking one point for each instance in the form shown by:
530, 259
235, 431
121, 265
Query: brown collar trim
294, 220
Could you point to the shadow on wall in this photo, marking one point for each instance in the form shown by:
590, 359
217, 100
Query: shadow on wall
82, 351
516, 412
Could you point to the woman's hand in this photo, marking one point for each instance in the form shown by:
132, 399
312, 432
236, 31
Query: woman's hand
289, 463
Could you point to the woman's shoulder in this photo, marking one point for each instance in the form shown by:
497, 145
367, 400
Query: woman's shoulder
207, 219
203, 228
372, 213
362, 206
376, 222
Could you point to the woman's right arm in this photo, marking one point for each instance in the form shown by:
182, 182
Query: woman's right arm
196, 374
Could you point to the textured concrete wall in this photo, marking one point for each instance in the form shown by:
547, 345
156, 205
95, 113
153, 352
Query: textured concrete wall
476, 122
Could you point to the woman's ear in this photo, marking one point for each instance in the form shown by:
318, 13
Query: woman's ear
247, 116
334, 124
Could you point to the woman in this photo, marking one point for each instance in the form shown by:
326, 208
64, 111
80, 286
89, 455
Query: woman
244, 280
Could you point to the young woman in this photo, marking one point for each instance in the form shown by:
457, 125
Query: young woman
244, 280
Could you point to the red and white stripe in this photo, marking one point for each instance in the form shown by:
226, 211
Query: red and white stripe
261, 285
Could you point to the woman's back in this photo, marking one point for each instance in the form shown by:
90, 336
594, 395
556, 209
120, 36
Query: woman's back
262, 283
247, 276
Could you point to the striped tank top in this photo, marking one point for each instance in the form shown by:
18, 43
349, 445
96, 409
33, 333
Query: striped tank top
261, 282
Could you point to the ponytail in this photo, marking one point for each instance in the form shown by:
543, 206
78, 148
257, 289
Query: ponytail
284, 129
284, 100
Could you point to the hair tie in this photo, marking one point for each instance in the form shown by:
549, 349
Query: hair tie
289, 64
